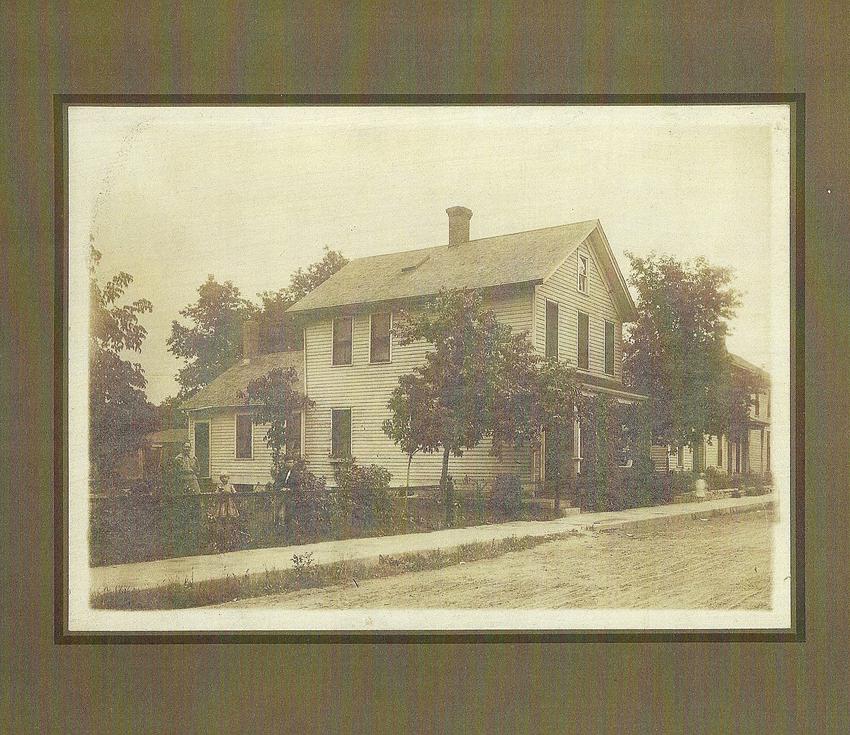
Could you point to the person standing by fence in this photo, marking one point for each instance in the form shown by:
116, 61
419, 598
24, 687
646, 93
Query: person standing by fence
225, 513
186, 466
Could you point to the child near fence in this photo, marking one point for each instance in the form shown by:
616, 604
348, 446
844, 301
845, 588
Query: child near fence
226, 513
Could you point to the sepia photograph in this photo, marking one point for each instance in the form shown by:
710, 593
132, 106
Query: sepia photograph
429, 368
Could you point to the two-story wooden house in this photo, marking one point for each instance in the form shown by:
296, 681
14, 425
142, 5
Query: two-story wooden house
746, 451
561, 285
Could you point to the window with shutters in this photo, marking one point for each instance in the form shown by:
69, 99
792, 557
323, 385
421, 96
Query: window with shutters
583, 340
342, 328
552, 329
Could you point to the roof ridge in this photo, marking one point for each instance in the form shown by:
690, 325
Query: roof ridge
477, 239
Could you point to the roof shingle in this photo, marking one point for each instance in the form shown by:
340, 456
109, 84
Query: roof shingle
227, 388
521, 257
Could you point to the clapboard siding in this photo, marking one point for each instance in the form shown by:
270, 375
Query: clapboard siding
757, 451
597, 303
711, 452
366, 388
223, 448
658, 454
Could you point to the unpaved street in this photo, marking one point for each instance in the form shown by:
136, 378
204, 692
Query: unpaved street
719, 563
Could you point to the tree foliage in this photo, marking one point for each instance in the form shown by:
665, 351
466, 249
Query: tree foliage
119, 412
276, 401
213, 342
275, 335
479, 380
446, 403
675, 352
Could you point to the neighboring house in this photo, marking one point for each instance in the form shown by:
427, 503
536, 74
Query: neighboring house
146, 462
221, 428
560, 284
748, 451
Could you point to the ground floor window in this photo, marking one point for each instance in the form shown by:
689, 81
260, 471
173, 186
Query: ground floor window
293, 435
341, 432
244, 436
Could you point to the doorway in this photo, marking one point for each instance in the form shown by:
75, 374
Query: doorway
202, 448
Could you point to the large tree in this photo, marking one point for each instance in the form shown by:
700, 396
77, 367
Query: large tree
273, 326
479, 380
119, 412
675, 352
276, 402
213, 341
445, 404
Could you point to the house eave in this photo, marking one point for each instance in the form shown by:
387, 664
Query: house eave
400, 302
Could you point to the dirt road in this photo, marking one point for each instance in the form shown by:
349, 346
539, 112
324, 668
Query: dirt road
719, 563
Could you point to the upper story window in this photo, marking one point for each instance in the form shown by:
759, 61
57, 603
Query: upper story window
552, 329
758, 405
341, 432
244, 436
767, 400
342, 329
379, 337
582, 273
583, 340
609, 348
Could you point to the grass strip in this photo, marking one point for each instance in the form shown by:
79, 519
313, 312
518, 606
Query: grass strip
306, 575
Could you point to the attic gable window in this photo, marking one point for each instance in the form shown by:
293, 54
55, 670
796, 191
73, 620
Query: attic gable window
582, 273
342, 328
379, 337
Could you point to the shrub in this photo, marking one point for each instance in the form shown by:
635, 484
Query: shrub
506, 497
364, 491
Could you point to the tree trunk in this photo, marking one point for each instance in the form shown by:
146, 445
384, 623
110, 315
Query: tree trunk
448, 495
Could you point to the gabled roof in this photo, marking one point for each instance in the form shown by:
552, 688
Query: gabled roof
228, 388
522, 257
168, 436
743, 364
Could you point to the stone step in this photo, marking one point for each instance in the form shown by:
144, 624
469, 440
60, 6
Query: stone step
549, 504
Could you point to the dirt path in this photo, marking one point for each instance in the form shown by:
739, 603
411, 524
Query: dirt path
719, 563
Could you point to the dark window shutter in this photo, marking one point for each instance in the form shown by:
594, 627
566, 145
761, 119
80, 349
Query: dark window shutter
244, 443
552, 329
609, 348
341, 433
583, 341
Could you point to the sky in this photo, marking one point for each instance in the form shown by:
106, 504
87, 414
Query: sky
250, 194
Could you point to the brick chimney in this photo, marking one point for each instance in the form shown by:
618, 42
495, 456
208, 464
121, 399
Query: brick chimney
250, 339
458, 225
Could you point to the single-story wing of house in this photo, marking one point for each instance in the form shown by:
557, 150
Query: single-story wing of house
222, 431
